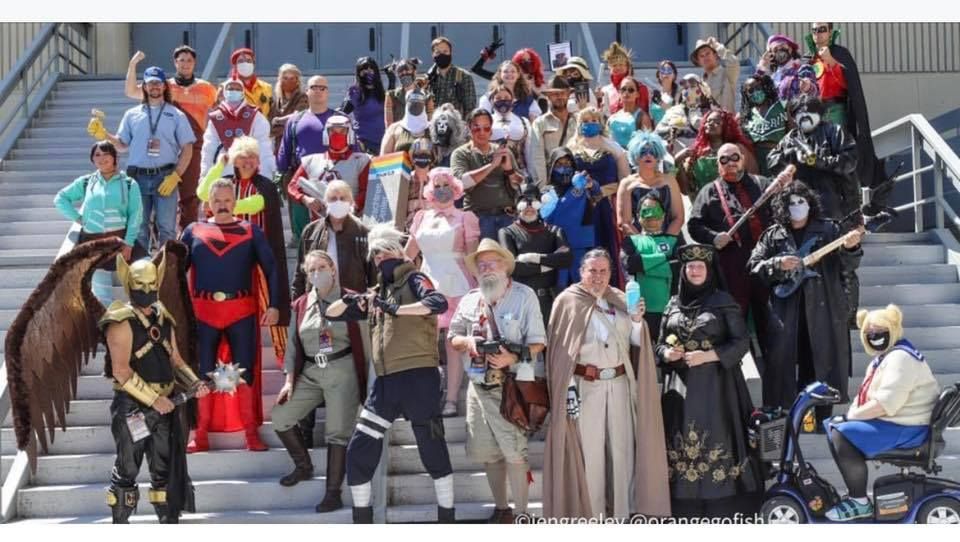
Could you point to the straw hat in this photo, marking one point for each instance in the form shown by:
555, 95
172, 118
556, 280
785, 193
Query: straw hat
579, 64
489, 245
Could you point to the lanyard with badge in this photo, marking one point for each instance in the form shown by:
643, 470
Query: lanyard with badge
153, 144
325, 340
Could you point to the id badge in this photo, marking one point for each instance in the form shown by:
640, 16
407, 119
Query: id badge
137, 424
153, 147
326, 342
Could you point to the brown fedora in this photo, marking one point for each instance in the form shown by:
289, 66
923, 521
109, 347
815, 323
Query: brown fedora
489, 245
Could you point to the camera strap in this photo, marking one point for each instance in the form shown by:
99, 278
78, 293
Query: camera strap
488, 312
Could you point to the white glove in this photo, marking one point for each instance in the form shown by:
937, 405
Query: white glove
529, 257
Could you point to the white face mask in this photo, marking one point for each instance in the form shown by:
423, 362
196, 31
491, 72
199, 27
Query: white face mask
245, 69
799, 209
339, 209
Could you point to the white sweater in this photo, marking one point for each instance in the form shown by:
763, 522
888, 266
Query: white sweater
905, 387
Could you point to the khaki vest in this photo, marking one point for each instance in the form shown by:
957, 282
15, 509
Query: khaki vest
404, 342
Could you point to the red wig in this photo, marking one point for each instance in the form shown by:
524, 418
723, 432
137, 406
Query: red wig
730, 132
529, 62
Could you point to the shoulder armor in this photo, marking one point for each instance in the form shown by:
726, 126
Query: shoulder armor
117, 312
164, 313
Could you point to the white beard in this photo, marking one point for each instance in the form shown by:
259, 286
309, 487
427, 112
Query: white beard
493, 287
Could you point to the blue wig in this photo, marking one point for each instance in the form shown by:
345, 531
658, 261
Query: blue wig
642, 139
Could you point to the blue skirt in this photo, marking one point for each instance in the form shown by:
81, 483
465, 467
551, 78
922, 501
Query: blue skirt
876, 436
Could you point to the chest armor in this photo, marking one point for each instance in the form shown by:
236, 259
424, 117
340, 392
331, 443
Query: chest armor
150, 356
230, 127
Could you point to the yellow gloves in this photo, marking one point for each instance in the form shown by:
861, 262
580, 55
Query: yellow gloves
169, 183
95, 126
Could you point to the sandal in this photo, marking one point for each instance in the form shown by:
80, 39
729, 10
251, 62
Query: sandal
849, 509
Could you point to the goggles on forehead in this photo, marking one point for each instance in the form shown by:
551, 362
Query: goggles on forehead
724, 160
651, 212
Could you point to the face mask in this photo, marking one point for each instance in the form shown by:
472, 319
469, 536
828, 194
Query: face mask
321, 280
415, 109
233, 97
442, 60
879, 340
562, 175
442, 132
503, 106
443, 194
758, 97
367, 79
339, 209
406, 80
590, 129
616, 79
781, 57
651, 213
338, 141
143, 299
799, 210
245, 69
422, 161
808, 122
387, 267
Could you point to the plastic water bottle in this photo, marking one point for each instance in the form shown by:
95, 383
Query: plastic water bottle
633, 296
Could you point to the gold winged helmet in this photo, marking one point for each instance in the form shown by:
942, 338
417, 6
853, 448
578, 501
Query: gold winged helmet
56, 333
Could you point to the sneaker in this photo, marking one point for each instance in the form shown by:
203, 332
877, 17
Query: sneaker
449, 410
849, 509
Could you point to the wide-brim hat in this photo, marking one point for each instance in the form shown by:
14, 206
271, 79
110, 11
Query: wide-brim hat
700, 45
579, 64
489, 245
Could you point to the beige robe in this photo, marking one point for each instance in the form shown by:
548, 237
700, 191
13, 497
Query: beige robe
564, 481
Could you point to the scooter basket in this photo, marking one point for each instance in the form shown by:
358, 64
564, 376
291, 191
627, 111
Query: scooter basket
771, 437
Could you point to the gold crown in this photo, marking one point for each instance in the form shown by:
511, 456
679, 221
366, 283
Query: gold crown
696, 253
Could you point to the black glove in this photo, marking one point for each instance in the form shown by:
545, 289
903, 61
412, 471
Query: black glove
386, 306
489, 52
352, 300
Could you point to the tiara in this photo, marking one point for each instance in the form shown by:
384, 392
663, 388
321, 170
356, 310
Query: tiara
696, 253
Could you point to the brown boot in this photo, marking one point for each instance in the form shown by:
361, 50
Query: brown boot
302, 464
501, 516
336, 468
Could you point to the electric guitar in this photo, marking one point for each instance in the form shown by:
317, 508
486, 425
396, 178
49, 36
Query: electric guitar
796, 277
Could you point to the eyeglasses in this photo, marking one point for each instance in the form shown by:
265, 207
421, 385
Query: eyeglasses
488, 266
820, 29
319, 88
627, 90
483, 129
724, 160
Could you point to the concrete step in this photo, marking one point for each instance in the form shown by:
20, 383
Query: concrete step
92, 439
275, 515
113, 110
239, 464
910, 294
909, 238
907, 274
73, 144
93, 99
32, 241
74, 130
931, 338
899, 254
27, 277
946, 361
25, 258
25, 189
928, 315
77, 163
252, 494
7, 316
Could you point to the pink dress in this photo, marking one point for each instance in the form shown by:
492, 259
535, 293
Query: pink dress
442, 237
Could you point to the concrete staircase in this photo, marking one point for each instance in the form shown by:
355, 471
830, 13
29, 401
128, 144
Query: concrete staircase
235, 486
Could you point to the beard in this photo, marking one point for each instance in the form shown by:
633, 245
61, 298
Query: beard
493, 286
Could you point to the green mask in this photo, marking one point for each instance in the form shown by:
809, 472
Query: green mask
647, 213
758, 97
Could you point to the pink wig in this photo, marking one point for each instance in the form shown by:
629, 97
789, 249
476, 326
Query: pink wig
446, 174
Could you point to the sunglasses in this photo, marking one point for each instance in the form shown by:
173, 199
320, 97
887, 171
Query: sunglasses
483, 129
820, 29
627, 90
320, 88
724, 160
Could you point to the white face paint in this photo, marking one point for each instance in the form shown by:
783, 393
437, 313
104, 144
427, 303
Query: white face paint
799, 208
807, 122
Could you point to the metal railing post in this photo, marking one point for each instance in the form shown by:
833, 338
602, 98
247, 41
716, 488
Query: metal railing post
938, 189
916, 144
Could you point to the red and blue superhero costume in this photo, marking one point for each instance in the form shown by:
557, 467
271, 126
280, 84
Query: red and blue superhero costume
222, 265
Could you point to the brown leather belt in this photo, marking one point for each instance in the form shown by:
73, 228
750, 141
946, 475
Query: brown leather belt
592, 372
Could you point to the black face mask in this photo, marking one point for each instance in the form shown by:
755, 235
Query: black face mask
879, 341
442, 60
183, 81
561, 176
781, 57
422, 161
143, 299
388, 266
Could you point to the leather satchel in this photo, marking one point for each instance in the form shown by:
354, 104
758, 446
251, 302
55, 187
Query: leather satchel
525, 404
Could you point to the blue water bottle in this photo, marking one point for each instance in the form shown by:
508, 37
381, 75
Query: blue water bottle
633, 296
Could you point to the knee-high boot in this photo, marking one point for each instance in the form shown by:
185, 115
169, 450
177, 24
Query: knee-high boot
200, 443
336, 468
250, 427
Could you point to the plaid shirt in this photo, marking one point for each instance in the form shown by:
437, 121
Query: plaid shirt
444, 89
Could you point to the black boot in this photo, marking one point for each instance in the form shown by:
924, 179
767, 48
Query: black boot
302, 465
163, 514
336, 468
123, 502
307, 423
446, 515
363, 515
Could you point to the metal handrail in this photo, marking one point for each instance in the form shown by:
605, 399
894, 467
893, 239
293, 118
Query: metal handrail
750, 37
915, 133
